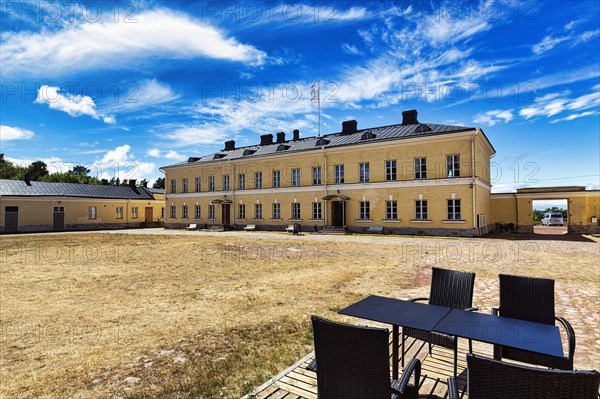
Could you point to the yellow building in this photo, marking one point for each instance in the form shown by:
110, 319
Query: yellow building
410, 178
583, 207
44, 206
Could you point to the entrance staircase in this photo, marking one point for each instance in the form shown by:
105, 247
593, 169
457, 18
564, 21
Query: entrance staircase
333, 230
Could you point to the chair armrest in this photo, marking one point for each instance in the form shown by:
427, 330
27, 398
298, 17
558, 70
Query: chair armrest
417, 299
495, 311
453, 389
471, 309
413, 368
570, 335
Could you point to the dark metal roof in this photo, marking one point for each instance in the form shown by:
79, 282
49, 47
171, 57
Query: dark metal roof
49, 189
377, 134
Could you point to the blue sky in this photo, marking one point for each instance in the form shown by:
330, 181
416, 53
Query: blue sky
127, 87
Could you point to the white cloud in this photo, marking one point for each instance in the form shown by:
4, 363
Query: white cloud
308, 15
555, 103
549, 42
490, 118
350, 49
144, 94
172, 154
157, 34
575, 116
121, 163
73, 104
14, 133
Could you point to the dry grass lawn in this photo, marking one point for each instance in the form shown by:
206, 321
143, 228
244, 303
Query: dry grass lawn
181, 316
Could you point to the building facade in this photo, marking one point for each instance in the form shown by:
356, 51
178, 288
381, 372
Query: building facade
410, 178
44, 206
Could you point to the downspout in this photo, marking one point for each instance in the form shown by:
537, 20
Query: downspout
473, 178
325, 186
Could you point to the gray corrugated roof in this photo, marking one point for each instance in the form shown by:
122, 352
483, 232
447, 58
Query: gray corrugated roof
383, 133
49, 189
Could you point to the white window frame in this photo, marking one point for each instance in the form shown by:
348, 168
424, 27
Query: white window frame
173, 186
296, 177
364, 210
421, 210
184, 185
276, 179
276, 210
241, 211
173, 214
391, 210
197, 212
296, 214
92, 213
226, 183
454, 209
119, 212
198, 184
391, 170
420, 168
258, 211
453, 165
211, 183
134, 212
363, 172
317, 211
316, 175
185, 212
257, 179
339, 174
211, 211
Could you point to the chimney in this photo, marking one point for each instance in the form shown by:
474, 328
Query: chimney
349, 127
410, 117
145, 184
132, 183
26, 179
229, 145
266, 139
280, 137
296, 134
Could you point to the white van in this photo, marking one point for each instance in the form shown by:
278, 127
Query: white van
552, 219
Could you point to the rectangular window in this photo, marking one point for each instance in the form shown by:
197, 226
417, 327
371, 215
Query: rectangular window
242, 181
242, 211
339, 174
454, 209
317, 210
391, 210
211, 183
162, 212
453, 165
364, 210
363, 172
134, 212
173, 212
295, 210
276, 178
173, 186
420, 168
92, 213
197, 214
258, 211
390, 170
276, 211
421, 210
197, 184
62, 209
295, 177
184, 185
226, 183
258, 180
119, 212
316, 175
184, 212
211, 212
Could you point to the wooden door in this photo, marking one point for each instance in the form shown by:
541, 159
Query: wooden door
149, 214
58, 218
11, 219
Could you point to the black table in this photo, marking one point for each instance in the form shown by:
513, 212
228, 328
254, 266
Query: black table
515, 333
397, 313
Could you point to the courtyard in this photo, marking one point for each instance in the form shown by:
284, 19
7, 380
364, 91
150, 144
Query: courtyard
172, 313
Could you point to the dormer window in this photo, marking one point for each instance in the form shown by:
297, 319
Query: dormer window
219, 156
282, 147
248, 152
321, 142
422, 128
368, 136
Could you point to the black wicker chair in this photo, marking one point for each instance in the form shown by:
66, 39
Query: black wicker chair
353, 363
532, 299
493, 379
450, 288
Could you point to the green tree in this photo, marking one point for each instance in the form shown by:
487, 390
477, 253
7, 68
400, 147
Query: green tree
9, 170
159, 183
37, 169
80, 170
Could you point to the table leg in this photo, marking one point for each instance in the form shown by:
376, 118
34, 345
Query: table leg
395, 334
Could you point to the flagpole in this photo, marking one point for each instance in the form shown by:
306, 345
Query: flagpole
319, 104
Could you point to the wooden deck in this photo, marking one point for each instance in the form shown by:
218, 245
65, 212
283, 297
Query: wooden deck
296, 382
